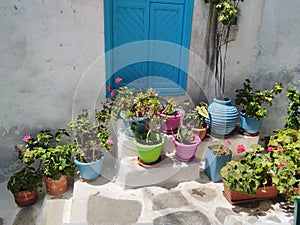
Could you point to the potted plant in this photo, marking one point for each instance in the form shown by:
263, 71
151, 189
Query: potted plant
284, 151
196, 119
170, 115
57, 159
293, 109
249, 179
253, 112
24, 185
186, 144
124, 104
92, 138
54, 155
216, 157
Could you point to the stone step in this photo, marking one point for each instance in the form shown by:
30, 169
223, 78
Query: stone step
168, 171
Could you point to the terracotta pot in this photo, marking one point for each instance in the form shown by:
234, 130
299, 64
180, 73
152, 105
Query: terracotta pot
201, 132
56, 187
25, 198
262, 193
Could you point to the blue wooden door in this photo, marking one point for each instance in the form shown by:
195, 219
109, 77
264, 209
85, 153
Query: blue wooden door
131, 21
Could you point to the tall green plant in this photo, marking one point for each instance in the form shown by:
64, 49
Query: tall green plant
222, 15
252, 101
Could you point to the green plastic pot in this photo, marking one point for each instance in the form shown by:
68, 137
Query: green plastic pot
149, 154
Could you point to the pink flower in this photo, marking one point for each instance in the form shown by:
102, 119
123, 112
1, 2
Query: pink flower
270, 149
109, 87
112, 94
228, 142
26, 138
281, 165
109, 142
240, 148
118, 80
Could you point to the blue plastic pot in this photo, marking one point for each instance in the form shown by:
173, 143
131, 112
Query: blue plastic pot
139, 122
249, 125
89, 171
213, 164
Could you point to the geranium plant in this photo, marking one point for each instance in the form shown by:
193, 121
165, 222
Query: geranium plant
293, 109
284, 153
248, 174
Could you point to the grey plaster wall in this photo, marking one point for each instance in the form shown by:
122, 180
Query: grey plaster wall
51, 61
46, 48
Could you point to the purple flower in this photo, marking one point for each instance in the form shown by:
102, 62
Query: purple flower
228, 142
26, 138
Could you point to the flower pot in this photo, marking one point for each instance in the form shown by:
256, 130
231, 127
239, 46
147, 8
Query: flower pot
139, 122
249, 125
89, 171
186, 152
263, 193
25, 198
56, 187
201, 132
149, 154
214, 163
223, 117
170, 126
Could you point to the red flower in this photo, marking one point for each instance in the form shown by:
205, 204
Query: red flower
112, 94
118, 80
240, 148
270, 149
109, 87
281, 165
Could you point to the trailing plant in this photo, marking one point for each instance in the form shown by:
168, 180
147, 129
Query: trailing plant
252, 101
293, 109
196, 117
222, 15
27, 179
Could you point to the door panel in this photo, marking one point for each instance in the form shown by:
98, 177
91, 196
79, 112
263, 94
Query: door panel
166, 24
130, 24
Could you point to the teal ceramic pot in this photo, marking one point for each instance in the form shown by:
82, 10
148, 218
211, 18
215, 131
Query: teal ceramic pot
223, 117
249, 125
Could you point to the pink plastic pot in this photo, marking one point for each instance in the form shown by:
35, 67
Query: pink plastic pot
185, 152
